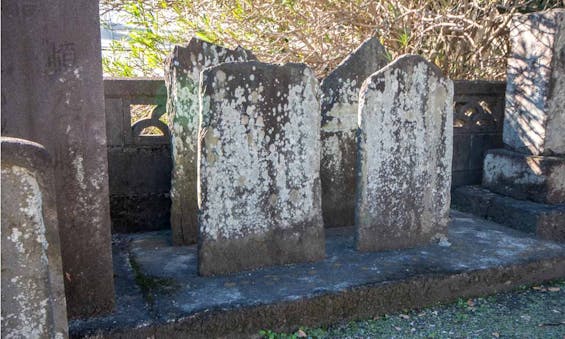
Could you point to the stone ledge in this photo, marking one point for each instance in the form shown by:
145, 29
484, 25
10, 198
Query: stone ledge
25, 153
537, 178
546, 221
483, 258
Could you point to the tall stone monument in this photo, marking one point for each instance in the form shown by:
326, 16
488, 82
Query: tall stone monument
524, 184
52, 93
33, 294
405, 151
183, 69
340, 95
534, 117
259, 184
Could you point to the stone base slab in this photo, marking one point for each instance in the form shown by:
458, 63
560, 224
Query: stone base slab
546, 221
274, 247
525, 177
483, 258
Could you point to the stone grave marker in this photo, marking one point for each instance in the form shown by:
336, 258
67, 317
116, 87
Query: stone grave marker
534, 118
533, 167
259, 184
183, 69
52, 93
405, 152
524, 183
339, 100
33, 293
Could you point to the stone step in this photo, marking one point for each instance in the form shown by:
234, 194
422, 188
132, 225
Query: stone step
546, 221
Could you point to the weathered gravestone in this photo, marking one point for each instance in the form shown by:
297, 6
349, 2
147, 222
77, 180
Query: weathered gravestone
405, 151
524, 183
183, 69
339, 98
534, 118
259, 184
52, 93
33, 294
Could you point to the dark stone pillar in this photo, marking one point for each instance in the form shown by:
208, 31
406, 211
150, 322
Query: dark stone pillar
52, 93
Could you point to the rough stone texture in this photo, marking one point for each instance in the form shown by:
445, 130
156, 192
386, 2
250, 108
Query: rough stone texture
526, 177
483, 258
52, 93
183, 69
339, 99
535, 94
546, 221
405, 154
33, 294
259, 183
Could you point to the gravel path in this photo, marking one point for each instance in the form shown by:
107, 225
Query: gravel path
530, 312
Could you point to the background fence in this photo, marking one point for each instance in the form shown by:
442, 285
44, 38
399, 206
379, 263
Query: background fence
139, 151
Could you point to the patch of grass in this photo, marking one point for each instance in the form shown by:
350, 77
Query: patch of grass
150, 285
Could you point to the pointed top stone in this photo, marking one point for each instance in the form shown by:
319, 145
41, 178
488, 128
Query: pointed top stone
182, 76
340, 94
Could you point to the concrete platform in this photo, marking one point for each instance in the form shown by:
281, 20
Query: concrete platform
159, 293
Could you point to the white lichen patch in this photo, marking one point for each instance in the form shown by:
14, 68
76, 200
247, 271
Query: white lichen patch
260, 172
343, 113
405, 118
79, 170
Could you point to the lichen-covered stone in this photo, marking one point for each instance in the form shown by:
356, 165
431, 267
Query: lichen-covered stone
259, 184
183, 69
534, 118
405, 152
33, 296
339, 100
527, 177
